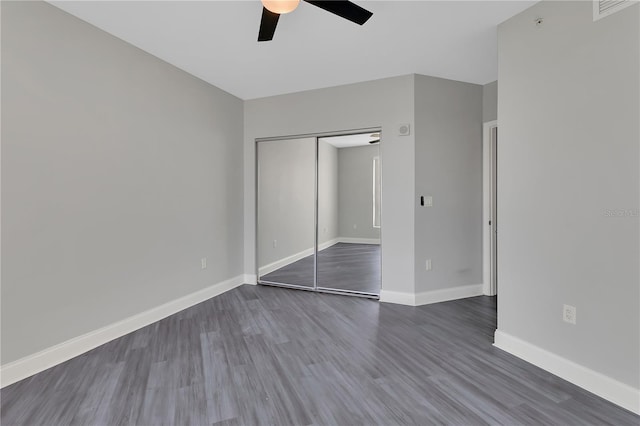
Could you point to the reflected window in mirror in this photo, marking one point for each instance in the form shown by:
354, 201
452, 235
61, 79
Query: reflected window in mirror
376, 192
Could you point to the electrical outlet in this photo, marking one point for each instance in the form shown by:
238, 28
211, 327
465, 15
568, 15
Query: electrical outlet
203, 263
355, 226
428, 264
275, 243
569, 314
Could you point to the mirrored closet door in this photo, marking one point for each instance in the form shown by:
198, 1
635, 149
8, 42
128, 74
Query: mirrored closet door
286, 179
319, 213
348, 216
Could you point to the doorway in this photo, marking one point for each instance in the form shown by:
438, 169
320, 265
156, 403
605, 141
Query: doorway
318, 213
490, 208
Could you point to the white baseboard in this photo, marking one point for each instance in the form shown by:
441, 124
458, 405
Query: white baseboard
359, 240
398, 297
251, 279
22, 368
433, 296
610, 389
281, 263
328, 244
446, 294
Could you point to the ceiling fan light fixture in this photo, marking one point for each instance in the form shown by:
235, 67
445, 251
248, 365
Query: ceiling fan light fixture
280, 6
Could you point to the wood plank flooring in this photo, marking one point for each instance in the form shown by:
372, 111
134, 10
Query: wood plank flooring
343, 266
260, 355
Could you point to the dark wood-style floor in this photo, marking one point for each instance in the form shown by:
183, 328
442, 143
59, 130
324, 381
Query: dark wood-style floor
263, 355
343, 266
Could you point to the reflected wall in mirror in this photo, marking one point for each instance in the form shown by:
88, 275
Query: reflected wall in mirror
286, 176
349, 203
319, 213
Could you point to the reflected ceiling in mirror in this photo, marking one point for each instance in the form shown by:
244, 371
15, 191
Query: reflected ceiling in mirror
348, 141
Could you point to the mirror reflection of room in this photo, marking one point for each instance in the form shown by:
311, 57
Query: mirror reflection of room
345, 181
349, 213
286, 211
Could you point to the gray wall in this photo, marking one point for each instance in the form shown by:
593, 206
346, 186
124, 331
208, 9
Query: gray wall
568, 160
355, 192
448, 165
490, 102
119, 173
354, 106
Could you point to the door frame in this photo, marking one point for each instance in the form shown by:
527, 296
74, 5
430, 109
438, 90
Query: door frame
489, 225
315, 288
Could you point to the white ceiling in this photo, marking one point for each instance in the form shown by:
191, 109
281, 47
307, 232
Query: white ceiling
348, 141
216, 41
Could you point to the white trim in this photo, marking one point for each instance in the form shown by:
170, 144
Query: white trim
610, 389
618, 7
281, 263
328, 244
349, 240
486, 206
432, 296
54, 355
250, 279
446, 294
397, 297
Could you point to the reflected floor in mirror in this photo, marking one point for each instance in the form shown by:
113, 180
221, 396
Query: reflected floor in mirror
343, 266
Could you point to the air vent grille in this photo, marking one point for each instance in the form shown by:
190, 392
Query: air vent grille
602, 8
605, 5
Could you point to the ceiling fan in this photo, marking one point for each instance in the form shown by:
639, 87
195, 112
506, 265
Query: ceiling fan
272, 9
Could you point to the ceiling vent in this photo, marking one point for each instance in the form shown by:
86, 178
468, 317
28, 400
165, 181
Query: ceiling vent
604, 8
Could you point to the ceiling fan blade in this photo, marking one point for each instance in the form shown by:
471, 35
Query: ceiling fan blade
344, 9
268, 25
